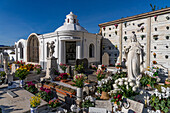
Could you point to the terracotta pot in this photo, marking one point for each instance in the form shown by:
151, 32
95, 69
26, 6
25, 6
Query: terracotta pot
166, 82
105, 96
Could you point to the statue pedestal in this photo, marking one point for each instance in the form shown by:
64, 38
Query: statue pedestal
51, 68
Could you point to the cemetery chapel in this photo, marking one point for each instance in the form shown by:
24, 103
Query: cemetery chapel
71, 41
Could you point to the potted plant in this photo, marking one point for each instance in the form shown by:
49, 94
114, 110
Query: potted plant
154, 54
104, 28
21, 73
31, 87
79, 82
100, 75
160, 101
103, 67
167, 81
116, 99
54, 103
79, 68
127, 86
65, 90
116, 25
104, 86
154, 62
119, 66
45, 94
37, 68
34, 103
63, 77
63, 67
89, 101
155, 17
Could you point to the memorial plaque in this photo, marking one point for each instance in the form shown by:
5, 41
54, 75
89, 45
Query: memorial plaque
97, 110
103, 104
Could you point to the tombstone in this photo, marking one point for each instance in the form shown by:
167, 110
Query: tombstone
97, 110
103, 104
105, 59
84, 61
51, 67
5, 62
134, 106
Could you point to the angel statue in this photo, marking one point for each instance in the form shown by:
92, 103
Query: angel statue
51, 47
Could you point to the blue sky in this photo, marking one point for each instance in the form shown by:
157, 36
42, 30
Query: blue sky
19, 18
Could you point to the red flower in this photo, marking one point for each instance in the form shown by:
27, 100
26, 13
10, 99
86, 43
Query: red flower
114, 97
119, 96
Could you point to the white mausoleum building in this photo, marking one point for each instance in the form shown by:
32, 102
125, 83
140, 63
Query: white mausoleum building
71, 40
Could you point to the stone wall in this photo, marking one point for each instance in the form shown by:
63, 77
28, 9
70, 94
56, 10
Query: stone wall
152, 30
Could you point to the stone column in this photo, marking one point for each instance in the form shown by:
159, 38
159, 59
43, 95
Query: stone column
79, 51
148, 41
61, 52
120, 43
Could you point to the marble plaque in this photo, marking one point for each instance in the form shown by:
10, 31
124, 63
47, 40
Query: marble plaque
97, 110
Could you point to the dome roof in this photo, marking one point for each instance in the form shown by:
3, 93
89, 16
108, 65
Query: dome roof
71, 24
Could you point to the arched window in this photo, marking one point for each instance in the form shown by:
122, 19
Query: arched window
91, 51
21, 50
33, 49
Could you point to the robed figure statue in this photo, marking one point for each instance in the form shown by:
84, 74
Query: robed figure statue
134, 56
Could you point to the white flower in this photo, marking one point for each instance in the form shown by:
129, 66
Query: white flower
160, 96
141, 92
131, 84
115, 86
163, 89
134, 89
158, 111
129, 80
126, 79
116, 81
120, 83
121, 80
126, 83
138, 83
127, 87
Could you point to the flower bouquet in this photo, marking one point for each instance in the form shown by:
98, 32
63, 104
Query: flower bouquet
100, 75
79, 80
35, 101
127, 86
31, 87
160, 101
54, 103
63, 76
79, 68
37, 68
104, 86
89, 101
63, 67
45, 94
21, 73
93, 67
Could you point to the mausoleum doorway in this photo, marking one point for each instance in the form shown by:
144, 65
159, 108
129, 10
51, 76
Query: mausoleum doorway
33, 49
70, 52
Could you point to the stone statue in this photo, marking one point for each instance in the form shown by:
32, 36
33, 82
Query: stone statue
134, 56
51, 47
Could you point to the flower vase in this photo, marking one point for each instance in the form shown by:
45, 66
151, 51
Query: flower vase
79, 93
22, 83
105, 96
34, 110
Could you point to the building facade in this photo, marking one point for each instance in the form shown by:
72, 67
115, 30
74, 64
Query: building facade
152, 30
71, 42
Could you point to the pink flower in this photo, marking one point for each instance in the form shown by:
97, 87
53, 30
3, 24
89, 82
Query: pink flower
47, 90
155, 16
42, 88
